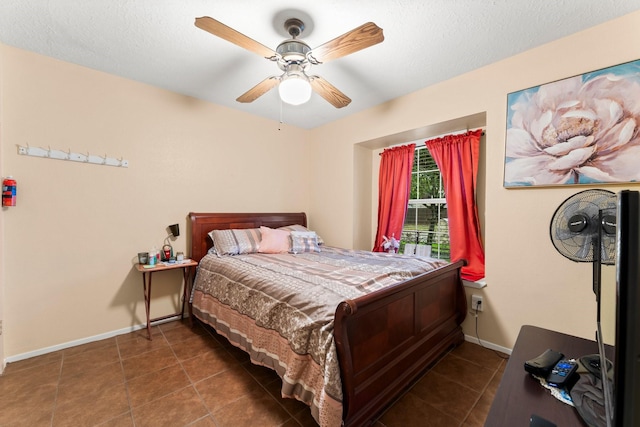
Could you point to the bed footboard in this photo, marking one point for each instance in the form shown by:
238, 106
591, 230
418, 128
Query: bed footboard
387, 339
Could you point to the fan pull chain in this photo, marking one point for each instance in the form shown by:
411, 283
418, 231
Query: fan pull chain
280, 123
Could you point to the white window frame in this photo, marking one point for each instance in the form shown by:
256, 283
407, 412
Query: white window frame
436, 251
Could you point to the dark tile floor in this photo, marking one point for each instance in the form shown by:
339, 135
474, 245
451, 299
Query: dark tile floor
191, 377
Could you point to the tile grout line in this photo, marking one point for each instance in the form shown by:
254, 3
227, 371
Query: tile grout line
407, 391
55, 398
126, 383
193, 384
495, 373
484, 390
242, 365
481, 393
179, 362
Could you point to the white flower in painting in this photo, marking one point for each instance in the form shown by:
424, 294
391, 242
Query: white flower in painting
573, 131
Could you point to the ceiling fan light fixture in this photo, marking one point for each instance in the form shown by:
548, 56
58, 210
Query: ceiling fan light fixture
295, 57
294, 89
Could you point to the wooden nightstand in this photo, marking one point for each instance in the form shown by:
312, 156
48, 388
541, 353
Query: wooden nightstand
187, 267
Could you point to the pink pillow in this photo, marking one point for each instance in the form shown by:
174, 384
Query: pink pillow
274, 241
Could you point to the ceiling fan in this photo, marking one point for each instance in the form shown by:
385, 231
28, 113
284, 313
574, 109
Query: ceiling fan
294, 57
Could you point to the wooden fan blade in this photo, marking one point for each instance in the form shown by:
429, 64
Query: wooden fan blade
357, 39
219, 29
329, 92
258, 90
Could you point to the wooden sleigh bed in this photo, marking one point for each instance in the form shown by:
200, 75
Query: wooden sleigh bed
384, 340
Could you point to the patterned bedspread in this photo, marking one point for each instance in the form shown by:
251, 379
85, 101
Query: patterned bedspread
280, 309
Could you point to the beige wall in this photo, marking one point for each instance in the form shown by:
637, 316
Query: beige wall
70, 242
2, 359
528, 281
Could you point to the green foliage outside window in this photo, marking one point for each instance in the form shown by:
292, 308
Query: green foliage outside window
426, 221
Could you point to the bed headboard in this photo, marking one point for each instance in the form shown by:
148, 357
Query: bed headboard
202, 223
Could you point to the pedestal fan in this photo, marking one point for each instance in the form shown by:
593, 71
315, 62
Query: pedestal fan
583, 229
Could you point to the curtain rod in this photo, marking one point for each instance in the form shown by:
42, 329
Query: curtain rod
458, 132
420, 142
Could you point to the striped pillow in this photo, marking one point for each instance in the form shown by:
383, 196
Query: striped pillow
304, 241
298, 227
236, 241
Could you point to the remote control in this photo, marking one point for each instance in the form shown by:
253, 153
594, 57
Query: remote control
562, 373
536, 421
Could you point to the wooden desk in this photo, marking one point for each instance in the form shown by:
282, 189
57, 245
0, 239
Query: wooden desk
186, 266
520, 395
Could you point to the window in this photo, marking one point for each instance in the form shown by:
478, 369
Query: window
426, 222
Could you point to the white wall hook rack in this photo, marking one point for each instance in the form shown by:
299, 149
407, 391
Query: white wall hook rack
71, 156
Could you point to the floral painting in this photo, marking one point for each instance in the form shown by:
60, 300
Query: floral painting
580, 130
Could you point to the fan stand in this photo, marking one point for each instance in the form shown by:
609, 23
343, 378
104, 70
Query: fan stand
593, 362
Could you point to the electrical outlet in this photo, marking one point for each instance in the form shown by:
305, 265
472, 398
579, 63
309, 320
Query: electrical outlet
477, 303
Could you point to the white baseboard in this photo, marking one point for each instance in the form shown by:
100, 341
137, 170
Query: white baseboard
487, 344
81, 341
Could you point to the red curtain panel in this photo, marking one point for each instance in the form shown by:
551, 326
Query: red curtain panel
457, 158
393, 192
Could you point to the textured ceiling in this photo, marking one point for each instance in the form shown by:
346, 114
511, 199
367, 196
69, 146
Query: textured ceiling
156, 42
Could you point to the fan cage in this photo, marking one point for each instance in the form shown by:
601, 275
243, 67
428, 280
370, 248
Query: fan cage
596, 206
